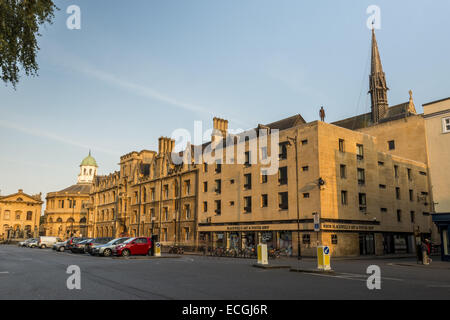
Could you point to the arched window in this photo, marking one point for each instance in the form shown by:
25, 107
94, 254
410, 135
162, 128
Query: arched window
70, 220
29, 215
59, 220
6, 215
83, 220
90, 172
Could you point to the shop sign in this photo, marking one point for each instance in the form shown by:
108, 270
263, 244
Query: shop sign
247, 228
347, 227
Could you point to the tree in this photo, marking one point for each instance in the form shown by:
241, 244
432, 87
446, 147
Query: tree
19, 28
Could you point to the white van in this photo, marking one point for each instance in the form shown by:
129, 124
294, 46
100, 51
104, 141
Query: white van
47, 242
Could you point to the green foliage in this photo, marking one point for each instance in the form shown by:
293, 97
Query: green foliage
19, 28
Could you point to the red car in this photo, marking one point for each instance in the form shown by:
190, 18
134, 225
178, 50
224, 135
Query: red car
134, 246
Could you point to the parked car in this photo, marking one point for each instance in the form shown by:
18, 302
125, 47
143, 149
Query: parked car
79, 246
26, 242
106, 250
60, 246
134, 246
33, 243
72, 241
96, 242
47, 242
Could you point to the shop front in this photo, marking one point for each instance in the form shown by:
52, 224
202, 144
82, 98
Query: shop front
442, 221
246, 237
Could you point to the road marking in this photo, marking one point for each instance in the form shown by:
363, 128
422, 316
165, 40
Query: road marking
352, 276
4, 272
439, 286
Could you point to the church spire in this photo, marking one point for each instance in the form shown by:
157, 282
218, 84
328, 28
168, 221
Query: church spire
377, 84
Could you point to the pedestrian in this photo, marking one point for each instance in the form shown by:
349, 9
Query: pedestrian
424, 249
428, 241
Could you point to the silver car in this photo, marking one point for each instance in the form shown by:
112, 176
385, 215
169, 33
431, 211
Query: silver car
105, 250
33, 243
26, 242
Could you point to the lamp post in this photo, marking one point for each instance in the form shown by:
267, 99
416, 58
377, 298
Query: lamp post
73, 214
295, 140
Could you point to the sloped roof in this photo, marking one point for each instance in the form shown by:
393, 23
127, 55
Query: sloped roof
287, 123
82, 188
365, 120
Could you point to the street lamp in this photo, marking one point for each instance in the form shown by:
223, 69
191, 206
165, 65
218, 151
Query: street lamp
294, 140
73, 214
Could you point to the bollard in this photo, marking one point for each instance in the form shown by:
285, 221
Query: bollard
323, 258
262, 254
157, 249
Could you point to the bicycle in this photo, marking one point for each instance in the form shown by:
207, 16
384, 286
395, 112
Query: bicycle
176, 250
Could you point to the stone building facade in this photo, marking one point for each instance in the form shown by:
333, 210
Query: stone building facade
150, 195
366, 178
20, 215
66, 212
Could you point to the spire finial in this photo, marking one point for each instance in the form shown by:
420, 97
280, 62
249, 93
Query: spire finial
89, 152
410, 95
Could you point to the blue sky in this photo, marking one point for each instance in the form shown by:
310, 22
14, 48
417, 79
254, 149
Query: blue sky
140, 69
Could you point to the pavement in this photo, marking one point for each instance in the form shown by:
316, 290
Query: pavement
41, 274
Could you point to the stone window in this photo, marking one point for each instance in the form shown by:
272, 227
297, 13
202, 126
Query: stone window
218, 207
205, 186
283, 200
399, 215
362, 202
264, 176
247, 204
397, 193
282, 176
361, 177
334, 239
283, 150
248, 159
264, 201
218, 189
205, 206
343, 171
263, 153
359, 152
344, 200
247, 181
341, 145
391, 145
446, 125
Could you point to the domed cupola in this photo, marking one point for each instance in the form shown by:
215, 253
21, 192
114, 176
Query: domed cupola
88, 169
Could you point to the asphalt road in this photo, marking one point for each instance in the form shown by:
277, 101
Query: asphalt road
41, 274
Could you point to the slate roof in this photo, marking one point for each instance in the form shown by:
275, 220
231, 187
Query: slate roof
82, 188
365, 120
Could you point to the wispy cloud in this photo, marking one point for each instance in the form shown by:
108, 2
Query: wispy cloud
59, 56
52, 136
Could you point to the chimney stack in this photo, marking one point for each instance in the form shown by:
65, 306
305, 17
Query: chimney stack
165, 145
220, 128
